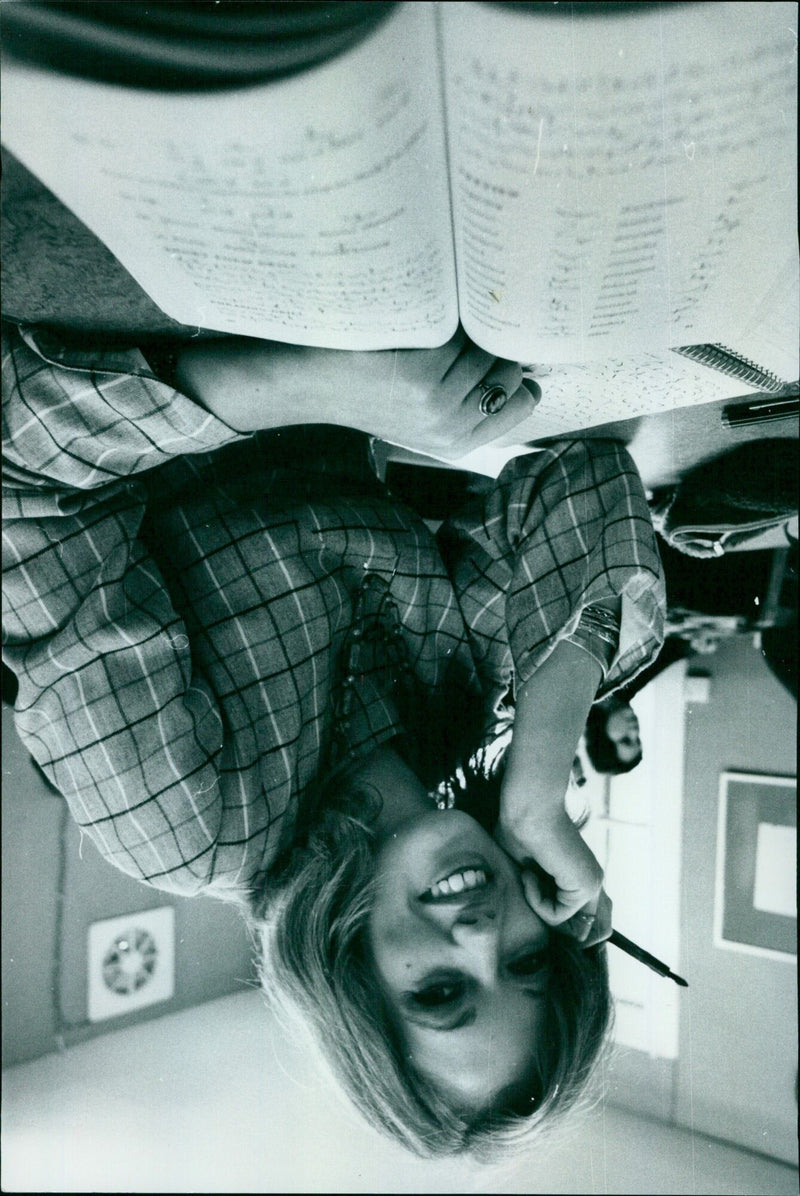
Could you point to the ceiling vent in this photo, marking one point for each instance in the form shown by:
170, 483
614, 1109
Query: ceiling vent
131, 962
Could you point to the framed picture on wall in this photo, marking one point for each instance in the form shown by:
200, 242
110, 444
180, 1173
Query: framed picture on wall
755, 904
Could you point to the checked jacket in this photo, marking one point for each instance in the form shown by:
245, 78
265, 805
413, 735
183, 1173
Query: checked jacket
176, 596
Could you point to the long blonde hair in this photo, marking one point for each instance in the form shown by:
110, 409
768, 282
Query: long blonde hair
312, 923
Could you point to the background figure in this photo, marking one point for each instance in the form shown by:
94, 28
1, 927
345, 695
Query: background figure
719, 510
612, 737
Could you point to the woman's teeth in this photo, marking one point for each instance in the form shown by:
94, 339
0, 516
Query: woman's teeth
459, 882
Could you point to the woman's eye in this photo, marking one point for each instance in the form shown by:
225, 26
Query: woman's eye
438, 994
529, 965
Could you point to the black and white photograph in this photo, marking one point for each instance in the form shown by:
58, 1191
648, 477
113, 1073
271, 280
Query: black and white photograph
400, 523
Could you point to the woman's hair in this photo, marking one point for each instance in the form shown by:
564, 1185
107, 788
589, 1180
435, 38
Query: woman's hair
601, 750
315, 961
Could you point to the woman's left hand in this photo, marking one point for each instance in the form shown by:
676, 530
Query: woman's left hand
428, 400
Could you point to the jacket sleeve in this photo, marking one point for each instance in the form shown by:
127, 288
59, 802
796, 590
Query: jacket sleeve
561, 528
108, 703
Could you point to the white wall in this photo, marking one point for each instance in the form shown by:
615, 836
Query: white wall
737, 1071
215, 1099
53, 888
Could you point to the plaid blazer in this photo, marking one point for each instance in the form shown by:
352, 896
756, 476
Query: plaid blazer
177, 596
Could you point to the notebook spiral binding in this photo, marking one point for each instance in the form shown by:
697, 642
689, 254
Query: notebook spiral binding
719, 357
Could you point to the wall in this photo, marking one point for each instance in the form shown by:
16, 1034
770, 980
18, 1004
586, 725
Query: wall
53, 888
734, 1074
219, 1099
737, 1072
635, 832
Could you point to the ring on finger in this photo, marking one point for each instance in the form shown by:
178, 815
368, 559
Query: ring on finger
493, 398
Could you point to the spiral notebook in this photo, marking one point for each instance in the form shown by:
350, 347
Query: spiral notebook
727, 361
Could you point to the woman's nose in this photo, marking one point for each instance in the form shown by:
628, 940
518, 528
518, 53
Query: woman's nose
467, 909
476, 934
477, 930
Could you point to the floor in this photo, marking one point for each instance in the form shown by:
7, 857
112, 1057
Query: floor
219, 1099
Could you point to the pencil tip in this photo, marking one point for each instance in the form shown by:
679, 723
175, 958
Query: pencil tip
680, 980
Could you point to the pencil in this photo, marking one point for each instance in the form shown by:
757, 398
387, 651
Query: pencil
645, 957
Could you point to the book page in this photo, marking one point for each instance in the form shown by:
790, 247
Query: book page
313, 210
620, 183
576, 396
770, 336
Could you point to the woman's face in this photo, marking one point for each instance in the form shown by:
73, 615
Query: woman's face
462, 970
622, 728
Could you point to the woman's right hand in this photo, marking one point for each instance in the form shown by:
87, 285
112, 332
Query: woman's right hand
423, 399
575, 902
592, 924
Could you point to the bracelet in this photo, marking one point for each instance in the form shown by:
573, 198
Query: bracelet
600, 620
602, 658
597, 633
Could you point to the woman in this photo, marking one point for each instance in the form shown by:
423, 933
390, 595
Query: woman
248, 668
613, 742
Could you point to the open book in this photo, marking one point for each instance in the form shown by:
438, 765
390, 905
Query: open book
574, 189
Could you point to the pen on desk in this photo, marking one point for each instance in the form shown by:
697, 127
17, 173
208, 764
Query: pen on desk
760, 410
645, 957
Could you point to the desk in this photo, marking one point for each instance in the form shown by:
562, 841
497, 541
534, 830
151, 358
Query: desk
665, 446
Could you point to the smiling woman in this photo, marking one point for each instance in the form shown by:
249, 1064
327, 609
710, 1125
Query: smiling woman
454, 1020
462, 971
253, 673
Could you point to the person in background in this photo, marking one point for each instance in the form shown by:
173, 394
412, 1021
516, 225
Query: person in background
612, 739
612, 736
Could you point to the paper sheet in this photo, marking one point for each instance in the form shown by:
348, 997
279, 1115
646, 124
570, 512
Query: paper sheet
313, 210
619, 184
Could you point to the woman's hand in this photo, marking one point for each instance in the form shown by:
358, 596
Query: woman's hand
429, 399
566, 887
591, 925
570, 897
422, 399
